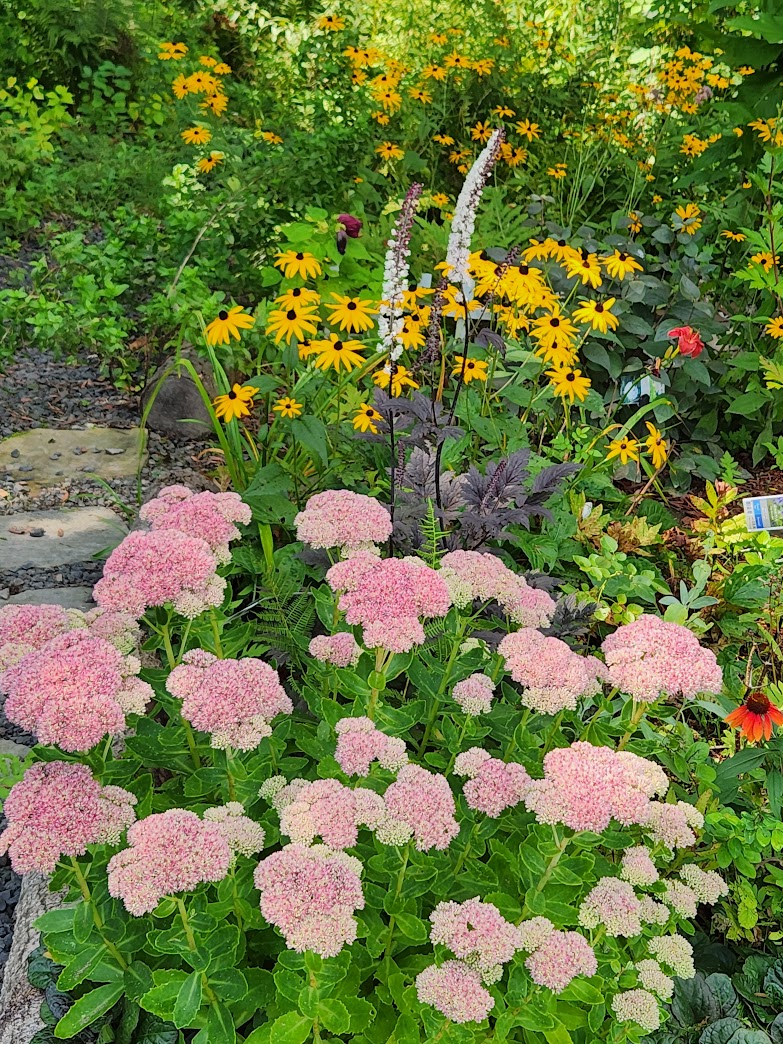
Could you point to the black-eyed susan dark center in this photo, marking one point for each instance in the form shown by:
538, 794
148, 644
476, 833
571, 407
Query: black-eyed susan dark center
222, 315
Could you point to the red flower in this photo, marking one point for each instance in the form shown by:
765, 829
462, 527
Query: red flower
688, 341
351, 224
755, 717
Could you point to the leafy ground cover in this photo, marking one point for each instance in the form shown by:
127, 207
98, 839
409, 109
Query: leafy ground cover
469, 734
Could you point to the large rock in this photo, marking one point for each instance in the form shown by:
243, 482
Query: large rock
178, 408
53, 538
68, 597
20, 1002
52, 457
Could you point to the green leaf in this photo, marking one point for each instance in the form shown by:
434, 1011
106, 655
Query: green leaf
87, 1009
138, 980
748, 403
220, 1025
334, 1015
291, 1028
79, 968
311, 432
56, 920
188, 1000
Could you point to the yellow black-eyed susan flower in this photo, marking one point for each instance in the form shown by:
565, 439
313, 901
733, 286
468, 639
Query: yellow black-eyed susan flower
208, 163
568, 383
196, 135
288, 407
297, 321
227, 324
297, 263
471, 369
656, 446
626, 448
366, 418
236, 403
598, 314
352, 314
402, 379
389, 151
336, 354
619, 264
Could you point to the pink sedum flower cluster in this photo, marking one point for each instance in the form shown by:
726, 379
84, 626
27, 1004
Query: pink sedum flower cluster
474, 694
327, 809
637, 1006
493, 785
340, 650
653, 978
212, 517
168, 852
58, 809
638, 867
455, 990
554, 677
674, 825
675, 953
559, 958
25, 628
651, 657
421, 804
388, 597
476, 575
244, 836
340, 518
586, 787
475, 932
160, 567
74, 690
311, 895
707, 886
360, 742
233, 700
612, 903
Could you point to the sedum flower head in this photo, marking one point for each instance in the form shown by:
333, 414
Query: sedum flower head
244, 836
327, 809
422, 802
360, 742
25, 628
168, 852
475, 932
638, 867
707, 886
672, 825
311, 895
586, 787
559, 959
680, 898
456, 991
674, 953
340, 518
59, 809
341, 649
612, 903
653, 978
637, 1006
554, 677
474, 694
533, 932
486, 577
493, 785
651, 657
160, 567
212, 517
388, 597
74, 690
233, 700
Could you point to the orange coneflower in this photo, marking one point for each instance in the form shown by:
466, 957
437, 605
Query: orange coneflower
755, 717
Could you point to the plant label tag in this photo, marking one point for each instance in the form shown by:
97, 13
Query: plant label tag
763, 512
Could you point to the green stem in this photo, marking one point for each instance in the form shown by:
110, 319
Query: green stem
183, 914
460, 738
442, 687
561, 847
636, 717
216, 634
84, 888
380, 656
400, 878
551, 734
166, 635
466, 850
191, 740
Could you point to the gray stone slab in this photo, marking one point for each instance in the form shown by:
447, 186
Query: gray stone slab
52, 456
9, 747
68, 597
69, 535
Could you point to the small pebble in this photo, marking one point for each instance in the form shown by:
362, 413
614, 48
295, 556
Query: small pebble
26, 467
113, 451
14, 453
55, 456
37, 532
